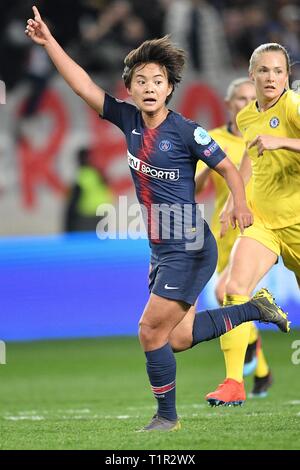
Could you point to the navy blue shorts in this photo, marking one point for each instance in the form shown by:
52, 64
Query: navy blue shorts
180, 274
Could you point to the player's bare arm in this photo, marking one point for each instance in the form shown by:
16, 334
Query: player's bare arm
202, 179
270, 142
240, 213
75, 76
245, 171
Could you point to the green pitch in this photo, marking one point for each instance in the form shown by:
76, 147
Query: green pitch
94, 394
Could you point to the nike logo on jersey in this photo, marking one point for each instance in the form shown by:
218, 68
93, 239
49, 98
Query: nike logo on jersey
170, 287
135, 132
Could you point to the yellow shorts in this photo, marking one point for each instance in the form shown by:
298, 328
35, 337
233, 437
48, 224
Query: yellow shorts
284, 242
225, 245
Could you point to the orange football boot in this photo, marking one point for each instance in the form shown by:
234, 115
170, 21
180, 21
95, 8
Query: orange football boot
228, 393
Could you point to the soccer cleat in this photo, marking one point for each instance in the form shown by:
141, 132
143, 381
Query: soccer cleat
158, 423
270, 312
229, 393
261, 386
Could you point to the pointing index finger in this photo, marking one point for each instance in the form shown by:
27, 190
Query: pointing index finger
36, 12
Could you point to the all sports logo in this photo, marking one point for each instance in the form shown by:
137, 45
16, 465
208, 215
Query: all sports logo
152, 171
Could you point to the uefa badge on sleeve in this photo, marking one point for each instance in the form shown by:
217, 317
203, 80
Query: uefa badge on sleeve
201, 136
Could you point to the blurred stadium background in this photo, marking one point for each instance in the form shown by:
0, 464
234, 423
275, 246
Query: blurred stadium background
58, 280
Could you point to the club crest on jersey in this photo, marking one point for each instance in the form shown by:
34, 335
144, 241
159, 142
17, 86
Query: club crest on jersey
201, 136
165, 145
274, 122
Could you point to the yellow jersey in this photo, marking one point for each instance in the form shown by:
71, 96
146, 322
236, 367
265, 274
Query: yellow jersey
234, 148
275, 195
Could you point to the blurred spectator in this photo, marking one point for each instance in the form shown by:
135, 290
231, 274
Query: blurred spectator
289, 17
234, 25
15, 49
216, 33
89, 190
256, 29
197, 27
37, 73
65, 15
289, 35
13, 42
152, 13
108, 37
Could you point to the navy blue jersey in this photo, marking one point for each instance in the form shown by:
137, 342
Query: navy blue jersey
162, 163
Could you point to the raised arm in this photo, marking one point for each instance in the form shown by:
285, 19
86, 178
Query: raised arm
74, 75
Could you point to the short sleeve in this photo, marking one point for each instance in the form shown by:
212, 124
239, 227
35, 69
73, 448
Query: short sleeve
203, 147
293, 108
200, 167
118, 112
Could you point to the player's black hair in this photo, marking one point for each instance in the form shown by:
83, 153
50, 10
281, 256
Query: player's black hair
159, 51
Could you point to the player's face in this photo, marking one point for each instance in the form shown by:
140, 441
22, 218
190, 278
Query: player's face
270, 75
150, 87
243, 94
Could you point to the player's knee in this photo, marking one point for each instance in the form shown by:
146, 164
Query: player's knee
146, 333
176, 344
180, 344
180, 341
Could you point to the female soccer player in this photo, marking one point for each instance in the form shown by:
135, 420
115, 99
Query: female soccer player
271, 128
163, 149
240, 92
